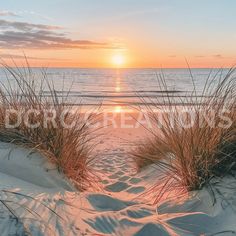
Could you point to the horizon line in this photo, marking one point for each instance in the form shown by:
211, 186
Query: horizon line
113, 68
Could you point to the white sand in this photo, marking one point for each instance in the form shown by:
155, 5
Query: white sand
118, 209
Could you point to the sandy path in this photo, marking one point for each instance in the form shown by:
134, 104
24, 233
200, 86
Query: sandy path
45, 204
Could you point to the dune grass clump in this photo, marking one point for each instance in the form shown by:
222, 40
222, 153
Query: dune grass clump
195, 139
46, 124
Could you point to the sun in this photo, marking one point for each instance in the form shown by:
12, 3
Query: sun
118, 60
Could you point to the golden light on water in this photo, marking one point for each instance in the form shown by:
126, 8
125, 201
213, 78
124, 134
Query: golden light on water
118, 109
118, 88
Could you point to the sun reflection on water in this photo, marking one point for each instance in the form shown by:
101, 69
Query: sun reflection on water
118, 88
118, 109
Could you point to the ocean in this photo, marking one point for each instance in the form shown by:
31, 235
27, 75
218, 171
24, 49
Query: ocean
125, 87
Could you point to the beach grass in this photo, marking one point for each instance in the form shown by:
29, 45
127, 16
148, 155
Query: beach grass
46, 124
22, 215
198, 145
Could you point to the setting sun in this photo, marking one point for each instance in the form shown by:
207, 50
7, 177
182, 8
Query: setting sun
118, 60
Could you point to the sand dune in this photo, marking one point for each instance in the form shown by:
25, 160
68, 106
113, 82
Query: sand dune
45, 202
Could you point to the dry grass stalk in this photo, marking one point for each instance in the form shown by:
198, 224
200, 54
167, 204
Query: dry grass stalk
68, 148
191, 155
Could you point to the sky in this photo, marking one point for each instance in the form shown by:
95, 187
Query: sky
125, 33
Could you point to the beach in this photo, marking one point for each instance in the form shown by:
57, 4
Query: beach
45, 202
117, 161
117, 118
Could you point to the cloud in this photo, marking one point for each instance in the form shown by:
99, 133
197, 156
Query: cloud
219, 56
25, 35
24, 26
22, 13
8, 13
16, 56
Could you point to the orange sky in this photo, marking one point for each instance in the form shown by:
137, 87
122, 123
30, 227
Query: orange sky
104, 59
151, 33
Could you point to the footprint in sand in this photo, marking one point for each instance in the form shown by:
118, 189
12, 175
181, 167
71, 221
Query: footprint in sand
116, 175
120, 154
113, 176
103, 224
203, 223
152, 230
135, 190
124, 178
135, 180
108, 169
120, 173
117, 187
123, 168
120, 149
105, 181
109, 224
110, 161
137, 214
103, 202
